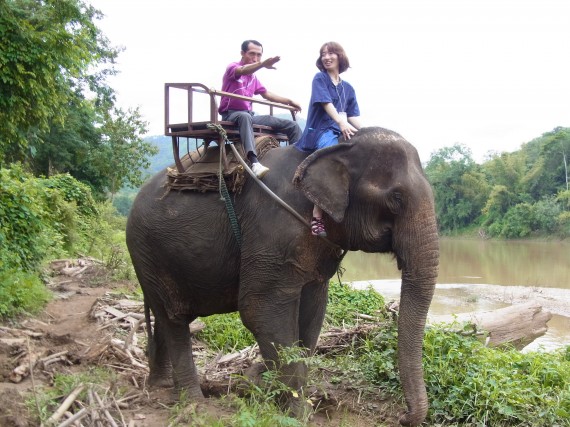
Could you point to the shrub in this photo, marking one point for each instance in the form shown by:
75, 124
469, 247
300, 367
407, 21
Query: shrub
45, 217
225, 332
518, 221
20, 293
26, 228
345, 302
470, 383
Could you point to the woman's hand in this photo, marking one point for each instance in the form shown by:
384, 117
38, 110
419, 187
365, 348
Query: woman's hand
346, 129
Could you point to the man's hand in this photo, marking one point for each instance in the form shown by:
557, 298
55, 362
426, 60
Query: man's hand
295, 105
270, 62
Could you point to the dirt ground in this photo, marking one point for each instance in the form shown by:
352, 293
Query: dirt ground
92, 323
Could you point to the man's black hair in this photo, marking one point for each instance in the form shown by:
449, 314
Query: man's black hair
246, 43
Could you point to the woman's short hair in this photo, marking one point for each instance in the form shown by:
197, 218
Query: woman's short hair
334, 47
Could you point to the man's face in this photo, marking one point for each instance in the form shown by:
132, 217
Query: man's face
253, 54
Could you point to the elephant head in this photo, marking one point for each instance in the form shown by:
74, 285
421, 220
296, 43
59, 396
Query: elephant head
375, 192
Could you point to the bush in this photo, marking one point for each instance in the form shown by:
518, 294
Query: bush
45, 217
468, 382
225, 332
545, 215
27, 232
345, 302
518, 221
73, 191
21, 293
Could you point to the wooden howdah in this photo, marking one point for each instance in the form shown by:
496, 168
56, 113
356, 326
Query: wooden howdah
199, 130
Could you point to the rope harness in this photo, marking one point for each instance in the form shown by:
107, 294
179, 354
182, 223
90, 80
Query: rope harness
224, 194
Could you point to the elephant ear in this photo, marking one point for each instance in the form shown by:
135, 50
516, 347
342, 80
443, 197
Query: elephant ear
324, 179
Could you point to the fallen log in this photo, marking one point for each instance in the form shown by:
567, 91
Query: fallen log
517, 325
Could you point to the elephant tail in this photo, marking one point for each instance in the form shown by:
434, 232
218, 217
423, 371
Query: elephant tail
147, 320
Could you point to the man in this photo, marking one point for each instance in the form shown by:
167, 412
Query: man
240, 79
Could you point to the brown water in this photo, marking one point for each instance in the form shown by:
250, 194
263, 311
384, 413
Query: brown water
469, 268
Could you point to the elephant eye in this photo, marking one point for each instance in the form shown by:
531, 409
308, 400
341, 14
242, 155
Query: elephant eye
396, 202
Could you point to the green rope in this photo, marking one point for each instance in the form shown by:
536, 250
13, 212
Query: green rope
223, 190
218, 128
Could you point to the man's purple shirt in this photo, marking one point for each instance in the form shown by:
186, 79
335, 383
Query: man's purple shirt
244, 85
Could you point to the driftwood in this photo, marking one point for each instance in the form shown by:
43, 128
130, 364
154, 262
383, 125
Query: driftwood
517, 325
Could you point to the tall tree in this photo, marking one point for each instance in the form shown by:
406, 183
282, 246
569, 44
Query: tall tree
123, 154
67, 147
460, 187
49, 50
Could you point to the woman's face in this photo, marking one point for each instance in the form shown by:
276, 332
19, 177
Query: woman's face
329, 60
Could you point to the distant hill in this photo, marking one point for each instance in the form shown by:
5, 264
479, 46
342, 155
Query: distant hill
164, 157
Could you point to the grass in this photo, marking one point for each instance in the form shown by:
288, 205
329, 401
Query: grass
468, 384
45, 400
21, 293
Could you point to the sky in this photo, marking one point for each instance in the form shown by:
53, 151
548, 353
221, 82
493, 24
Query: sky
488, 74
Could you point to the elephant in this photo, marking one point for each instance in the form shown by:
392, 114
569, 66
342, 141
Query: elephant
375, 198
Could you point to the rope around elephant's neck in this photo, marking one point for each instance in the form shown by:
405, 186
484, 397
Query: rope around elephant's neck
218, 128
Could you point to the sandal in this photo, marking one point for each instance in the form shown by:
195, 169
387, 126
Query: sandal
318, 227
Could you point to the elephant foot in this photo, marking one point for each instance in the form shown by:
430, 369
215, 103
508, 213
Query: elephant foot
254, 372
160, 381
413, 419
193, 393
298, 407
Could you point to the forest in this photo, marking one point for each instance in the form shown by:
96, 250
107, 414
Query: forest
510, 195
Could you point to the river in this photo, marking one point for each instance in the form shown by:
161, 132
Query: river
479, 275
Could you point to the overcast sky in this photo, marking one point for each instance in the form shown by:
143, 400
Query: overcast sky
490, 74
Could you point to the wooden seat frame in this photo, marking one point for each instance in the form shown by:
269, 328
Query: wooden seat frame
199, 130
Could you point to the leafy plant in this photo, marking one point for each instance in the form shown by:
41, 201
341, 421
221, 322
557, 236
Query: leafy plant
27, 229
225, 332
344, 302
470, 383
21, 292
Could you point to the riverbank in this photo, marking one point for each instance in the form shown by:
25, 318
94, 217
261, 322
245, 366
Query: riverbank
465, 298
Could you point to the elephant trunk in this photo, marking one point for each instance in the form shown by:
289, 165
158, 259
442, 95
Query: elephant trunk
419, 258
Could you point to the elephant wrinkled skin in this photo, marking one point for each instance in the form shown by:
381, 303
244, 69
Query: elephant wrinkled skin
186, 257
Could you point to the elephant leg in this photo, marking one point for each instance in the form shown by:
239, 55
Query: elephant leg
158, 358
312, 310
179, 344
275, 329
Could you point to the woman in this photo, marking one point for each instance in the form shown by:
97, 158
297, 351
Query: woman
333, 111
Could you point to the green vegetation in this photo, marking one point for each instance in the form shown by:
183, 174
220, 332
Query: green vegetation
65, 149
57, 113
21, 293
468, 384
48, 218
225, 332
345, 302
44, 401
511, 195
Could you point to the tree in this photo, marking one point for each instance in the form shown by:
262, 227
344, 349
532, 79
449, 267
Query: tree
507, 169
49, 51
459, 185
123, 154
67, 147
556, 149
